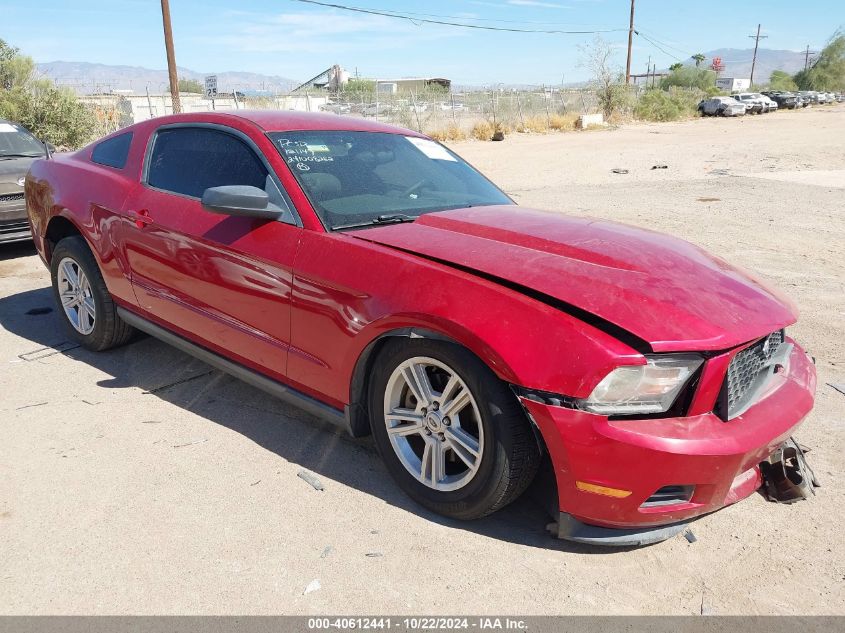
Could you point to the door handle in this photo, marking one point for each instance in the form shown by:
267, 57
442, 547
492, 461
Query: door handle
141, 218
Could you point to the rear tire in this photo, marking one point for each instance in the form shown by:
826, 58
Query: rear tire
84, 301
464, 448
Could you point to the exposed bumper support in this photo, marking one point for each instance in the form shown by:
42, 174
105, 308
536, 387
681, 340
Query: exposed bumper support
720, 459
571, 529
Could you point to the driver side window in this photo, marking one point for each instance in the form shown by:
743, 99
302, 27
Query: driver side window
188, 161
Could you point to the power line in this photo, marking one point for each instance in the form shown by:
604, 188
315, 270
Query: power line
658, 47
663, 42
657, 43
478, 19
413, 19
657, 40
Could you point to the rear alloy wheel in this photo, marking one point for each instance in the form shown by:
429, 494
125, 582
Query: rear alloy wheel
76, 296
450, 432
80, 291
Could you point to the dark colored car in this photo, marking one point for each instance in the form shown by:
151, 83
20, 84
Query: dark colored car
783, 99
18, 149
372, 277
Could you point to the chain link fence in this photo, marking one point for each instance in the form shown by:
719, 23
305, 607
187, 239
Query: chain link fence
459, 115
442, 114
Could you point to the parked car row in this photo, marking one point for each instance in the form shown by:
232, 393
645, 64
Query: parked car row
823, 97
383, 108
804, 98
743, 103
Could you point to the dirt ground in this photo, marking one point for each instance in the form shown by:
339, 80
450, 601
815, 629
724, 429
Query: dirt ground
141, 482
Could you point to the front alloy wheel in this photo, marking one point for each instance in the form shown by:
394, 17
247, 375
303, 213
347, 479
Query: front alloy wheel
433, 423
452, 435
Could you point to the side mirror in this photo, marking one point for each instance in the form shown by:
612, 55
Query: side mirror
240, 200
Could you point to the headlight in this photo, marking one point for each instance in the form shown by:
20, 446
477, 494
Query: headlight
649, 388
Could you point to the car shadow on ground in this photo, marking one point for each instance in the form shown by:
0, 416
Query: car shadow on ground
17, 249
164, 372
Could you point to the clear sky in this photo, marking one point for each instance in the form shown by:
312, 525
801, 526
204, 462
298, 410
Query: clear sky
296, 40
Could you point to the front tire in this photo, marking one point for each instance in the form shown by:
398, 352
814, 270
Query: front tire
83, 299
451, 434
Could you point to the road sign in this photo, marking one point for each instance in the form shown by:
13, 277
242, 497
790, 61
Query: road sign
211, 86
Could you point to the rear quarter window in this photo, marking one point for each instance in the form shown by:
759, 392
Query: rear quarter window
113, 152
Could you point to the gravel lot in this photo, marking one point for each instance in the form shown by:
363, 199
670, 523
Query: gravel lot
140, 482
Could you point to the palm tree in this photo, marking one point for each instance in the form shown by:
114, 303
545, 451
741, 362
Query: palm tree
698, 58
676, 66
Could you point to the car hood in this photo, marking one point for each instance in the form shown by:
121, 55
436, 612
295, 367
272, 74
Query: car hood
664, 290
11, 170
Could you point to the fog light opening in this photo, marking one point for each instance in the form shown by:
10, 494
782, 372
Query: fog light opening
669, 496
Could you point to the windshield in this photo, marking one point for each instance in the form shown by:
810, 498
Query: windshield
15, 141
356, 179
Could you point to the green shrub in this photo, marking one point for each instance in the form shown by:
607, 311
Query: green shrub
356, 89
689, 77
51, 113
780, 80
828, 71
667, 105
191, 85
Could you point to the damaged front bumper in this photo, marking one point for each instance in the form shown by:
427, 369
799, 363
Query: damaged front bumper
569, 528
635, 482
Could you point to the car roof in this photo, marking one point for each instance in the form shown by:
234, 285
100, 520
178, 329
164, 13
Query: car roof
285, 121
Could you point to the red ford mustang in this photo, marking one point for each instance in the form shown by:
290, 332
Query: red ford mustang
369, 275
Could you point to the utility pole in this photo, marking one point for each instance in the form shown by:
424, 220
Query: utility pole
171, 57
757, 39
630, 45
807, 58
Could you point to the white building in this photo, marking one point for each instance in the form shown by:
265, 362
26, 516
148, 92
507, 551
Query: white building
411, 84
733, 84
134, 108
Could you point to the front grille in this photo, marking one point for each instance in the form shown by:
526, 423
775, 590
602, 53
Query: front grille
11, 197
15, 226
743, 371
